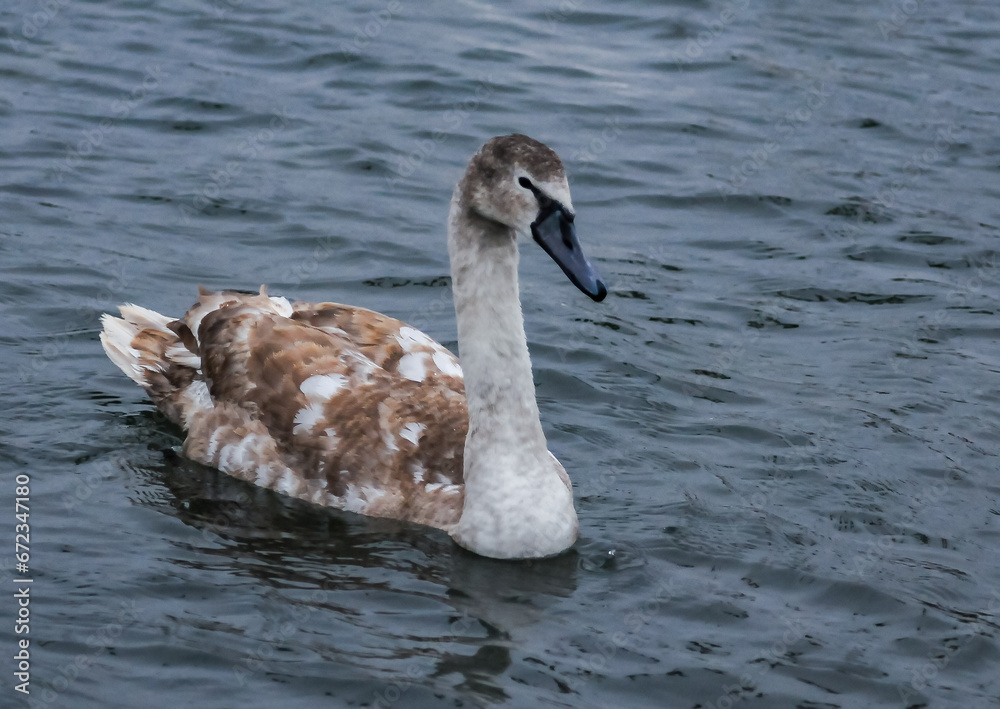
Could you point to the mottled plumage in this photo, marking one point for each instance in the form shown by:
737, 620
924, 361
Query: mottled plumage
337, 405
349, 408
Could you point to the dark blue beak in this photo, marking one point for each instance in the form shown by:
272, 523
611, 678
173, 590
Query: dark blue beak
554, 232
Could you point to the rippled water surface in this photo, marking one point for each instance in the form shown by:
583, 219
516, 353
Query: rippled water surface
781, 425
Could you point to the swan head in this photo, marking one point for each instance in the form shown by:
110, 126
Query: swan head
520, 183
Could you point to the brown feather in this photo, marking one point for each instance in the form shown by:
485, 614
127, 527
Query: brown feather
372, 433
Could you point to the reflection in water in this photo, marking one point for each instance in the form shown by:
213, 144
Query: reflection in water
488, 662
316, 560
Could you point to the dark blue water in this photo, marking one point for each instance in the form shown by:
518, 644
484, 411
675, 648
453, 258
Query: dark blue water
781, 426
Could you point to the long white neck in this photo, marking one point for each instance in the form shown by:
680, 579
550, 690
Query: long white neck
492, 344
517, 499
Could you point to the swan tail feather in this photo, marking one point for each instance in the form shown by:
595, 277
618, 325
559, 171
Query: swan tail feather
145, 346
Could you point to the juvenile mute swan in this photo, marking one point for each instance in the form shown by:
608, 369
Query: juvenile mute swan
352, 409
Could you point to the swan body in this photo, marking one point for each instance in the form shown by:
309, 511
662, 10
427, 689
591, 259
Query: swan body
352, 409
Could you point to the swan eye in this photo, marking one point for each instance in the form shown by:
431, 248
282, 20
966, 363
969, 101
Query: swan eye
526, 183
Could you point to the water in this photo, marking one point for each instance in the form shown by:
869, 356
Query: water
781, 425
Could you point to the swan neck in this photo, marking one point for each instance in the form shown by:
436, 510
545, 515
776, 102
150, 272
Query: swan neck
492, 344
518, 501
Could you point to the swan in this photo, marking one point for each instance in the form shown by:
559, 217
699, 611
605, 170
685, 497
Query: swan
352, 409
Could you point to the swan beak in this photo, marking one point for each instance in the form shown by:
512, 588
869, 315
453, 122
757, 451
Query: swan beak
554, 232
